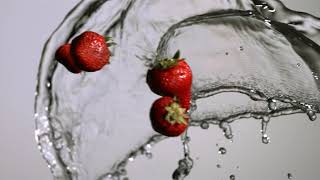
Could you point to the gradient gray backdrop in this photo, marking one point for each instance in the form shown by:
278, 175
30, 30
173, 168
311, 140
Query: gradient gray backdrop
24, 27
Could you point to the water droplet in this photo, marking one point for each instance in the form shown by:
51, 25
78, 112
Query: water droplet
131, 158
315, 75
123, 172
109, 176
222, 150
289, 175
227, 53
272, 105
148, 146
48, 84
311, 114
204, 125
298, 64
149, 155
218, 166
226, 128
265, 139
232, 177
266, 119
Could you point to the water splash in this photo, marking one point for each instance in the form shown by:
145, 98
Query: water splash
270, 69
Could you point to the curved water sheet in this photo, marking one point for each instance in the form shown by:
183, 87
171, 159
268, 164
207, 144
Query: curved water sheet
89, 126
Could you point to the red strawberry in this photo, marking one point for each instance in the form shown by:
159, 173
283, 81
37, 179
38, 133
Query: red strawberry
172, 77
184, 99
90, 51
63, 55
167, 117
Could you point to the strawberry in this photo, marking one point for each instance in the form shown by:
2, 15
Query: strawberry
172, 77
184, 99
90, 51
63, 55
168, 117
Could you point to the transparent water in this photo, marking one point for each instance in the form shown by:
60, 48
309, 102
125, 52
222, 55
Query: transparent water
250, 59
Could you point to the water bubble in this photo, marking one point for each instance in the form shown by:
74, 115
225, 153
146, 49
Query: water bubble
232, 177
222, 150
204, 125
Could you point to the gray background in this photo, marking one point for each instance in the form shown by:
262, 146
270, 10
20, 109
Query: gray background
25, 25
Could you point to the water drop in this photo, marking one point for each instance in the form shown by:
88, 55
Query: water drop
264, 125
226, 128
311, 114
222, 150
227, 53
298, 64
184, 168
289, 175
148, 146
123, 171
272, 105
131, 158
265, 139
48, 84
232, 177
204, 125
149, 155
109, 176
218, 166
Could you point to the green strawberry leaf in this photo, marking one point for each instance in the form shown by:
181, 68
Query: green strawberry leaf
176, 55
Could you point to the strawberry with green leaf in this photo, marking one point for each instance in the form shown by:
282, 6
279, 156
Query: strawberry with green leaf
172, 77
168, 117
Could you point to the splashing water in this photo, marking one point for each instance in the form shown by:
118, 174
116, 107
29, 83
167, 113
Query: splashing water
260, 54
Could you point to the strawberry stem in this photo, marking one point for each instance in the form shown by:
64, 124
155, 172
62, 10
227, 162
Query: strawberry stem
169, 62
176, 114
110, 41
